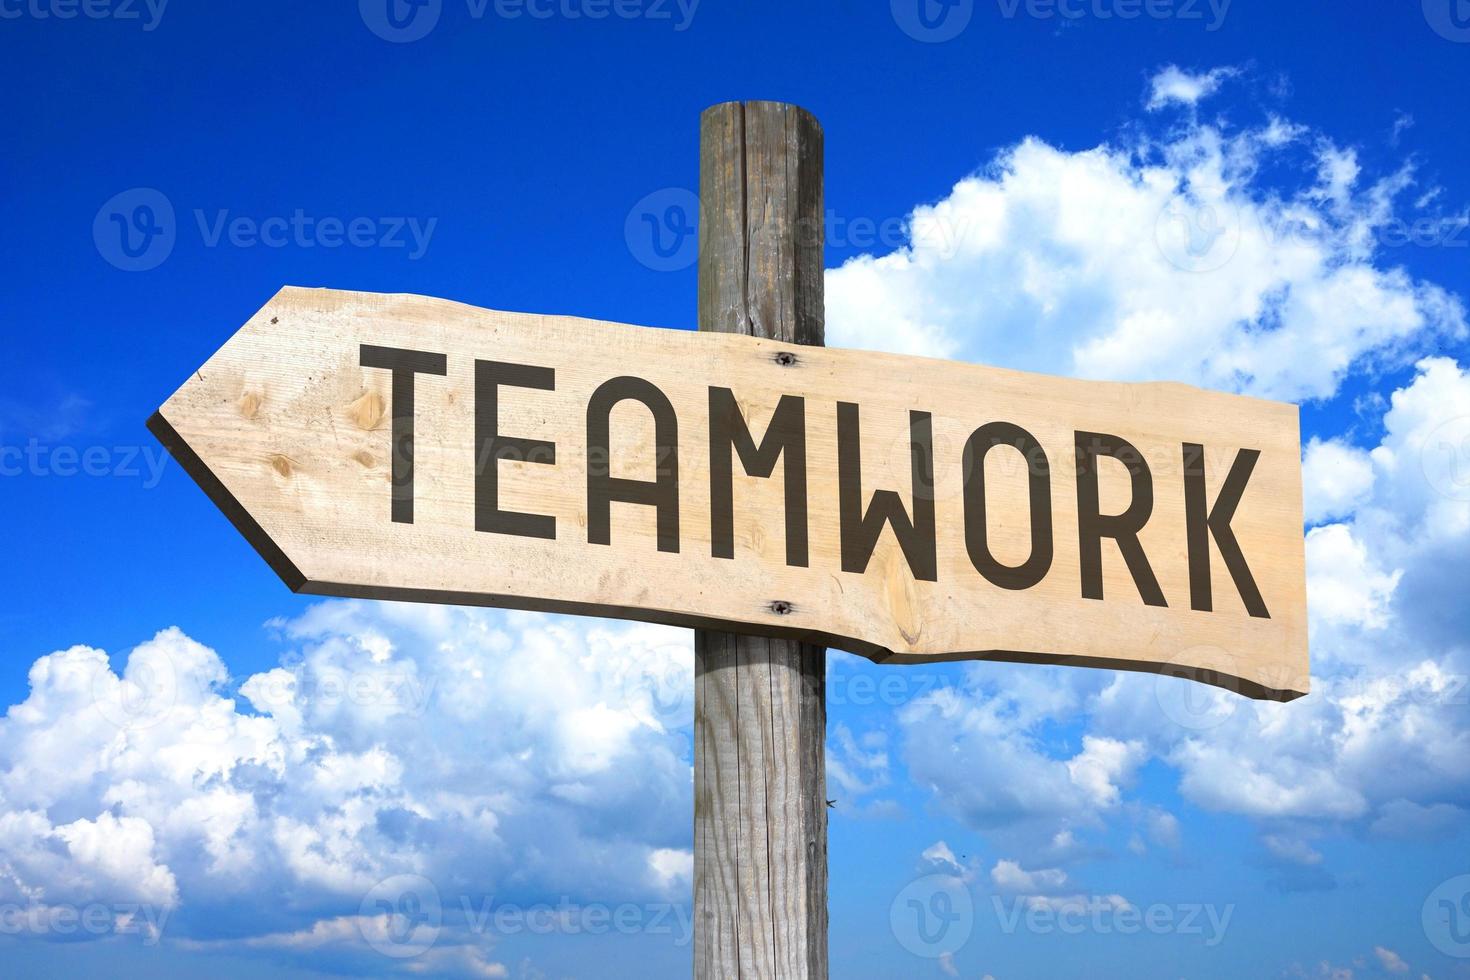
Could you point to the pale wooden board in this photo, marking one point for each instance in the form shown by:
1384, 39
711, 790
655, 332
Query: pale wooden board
290, 434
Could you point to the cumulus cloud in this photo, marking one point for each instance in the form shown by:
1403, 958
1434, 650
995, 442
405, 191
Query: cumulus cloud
1155, 258
487, 753
1345, 585
981, 749
1336, 478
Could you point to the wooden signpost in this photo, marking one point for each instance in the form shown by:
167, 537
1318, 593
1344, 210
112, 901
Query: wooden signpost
793, 496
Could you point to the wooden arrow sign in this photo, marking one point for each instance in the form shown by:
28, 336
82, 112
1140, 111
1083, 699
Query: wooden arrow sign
907, 509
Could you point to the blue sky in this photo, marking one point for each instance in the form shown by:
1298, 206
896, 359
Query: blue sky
1258, 197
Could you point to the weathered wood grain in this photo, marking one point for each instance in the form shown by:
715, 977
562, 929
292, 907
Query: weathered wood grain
760, 820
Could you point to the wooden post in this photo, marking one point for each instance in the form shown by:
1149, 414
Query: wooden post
760, 713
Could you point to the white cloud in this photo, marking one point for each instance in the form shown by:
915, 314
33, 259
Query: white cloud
1408, 820
1154, 258
1336, 479
1174, 85
672, 867
939, 854
1343, 583
1009, 876
1390, 960
449, 743
1292, 850
973, 747
1079, 905
1103, 764
856, 770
